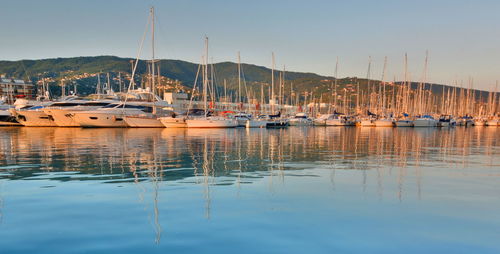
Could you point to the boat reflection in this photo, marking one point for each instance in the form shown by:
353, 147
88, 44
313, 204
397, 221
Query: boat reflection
210, 157
127, 154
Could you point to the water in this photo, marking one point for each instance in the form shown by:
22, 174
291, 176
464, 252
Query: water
296, 190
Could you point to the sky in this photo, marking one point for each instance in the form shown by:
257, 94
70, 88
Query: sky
462, 37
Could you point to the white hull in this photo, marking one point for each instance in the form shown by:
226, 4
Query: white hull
7, 120
336, 122
242, 122
255, 124
34, 118
211, 123
143, 122
425, 123
384, 123
320, 122
171, 122
367, 123
404, 123
100, 119
2, 123
62, 117
492, 123
299, 122
479, 123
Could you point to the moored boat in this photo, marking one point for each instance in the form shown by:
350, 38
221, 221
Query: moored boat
425, 121
384, 122
300, 119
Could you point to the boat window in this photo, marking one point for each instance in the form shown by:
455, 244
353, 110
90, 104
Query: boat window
66, 104
112, 105
97, 104
133, 106
148, 109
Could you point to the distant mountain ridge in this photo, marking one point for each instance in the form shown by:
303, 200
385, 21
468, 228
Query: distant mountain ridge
255, 76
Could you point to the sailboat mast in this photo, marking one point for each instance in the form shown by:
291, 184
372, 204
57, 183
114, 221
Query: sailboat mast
368, 82
383, 85
272, 80
239, 78
335, 85
152, 49
205, 76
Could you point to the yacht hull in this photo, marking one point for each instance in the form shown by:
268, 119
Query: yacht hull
143, 122
34, 118
425, 123
299, 122
255, 124
404, 123
493, 123
62, 117
171, 122
335, 122
367, 123
211, 123
6, 119
319, 122
93, 119
277, 124
384, 123
479, 123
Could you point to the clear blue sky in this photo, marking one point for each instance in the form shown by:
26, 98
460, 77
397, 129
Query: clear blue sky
463, 37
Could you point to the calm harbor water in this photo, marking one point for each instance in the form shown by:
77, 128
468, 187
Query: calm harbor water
296, 190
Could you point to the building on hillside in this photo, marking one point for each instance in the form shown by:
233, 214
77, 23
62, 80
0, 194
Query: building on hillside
176, 98
11, 88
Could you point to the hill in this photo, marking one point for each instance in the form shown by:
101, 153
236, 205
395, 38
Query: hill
82, 71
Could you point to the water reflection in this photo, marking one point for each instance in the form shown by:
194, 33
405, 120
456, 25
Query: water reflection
235, 155
150, 158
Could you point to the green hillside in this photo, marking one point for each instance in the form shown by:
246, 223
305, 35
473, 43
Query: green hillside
257, 78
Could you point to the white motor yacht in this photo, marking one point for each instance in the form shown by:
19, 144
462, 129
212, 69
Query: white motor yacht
404, 121
36, 117
256, 123
248, 121
425, 121
300, 119
111, 115
211, 122
62, 114
321, 120
242, 119
446, 121
178, 120
6, 119
338, 120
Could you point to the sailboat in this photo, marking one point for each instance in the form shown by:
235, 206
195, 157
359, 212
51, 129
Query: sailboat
385, 119
404, 119
148, 120
208, 120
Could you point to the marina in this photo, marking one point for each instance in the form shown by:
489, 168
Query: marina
249, 127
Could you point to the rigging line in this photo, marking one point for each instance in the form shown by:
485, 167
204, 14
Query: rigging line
137, 60
245, 84
194, 89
